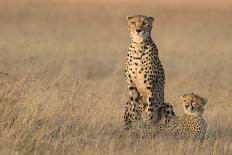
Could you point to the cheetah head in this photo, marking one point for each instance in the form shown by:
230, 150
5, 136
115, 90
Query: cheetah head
139, 27
193, 104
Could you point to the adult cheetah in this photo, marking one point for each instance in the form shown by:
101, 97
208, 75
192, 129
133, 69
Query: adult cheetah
189, 126
166, 113
144, 73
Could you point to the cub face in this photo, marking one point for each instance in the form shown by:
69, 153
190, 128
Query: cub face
139, 26
193, 104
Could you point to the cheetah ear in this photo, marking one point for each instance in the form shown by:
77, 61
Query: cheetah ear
181, 97
205, 100
150, 18
128, 17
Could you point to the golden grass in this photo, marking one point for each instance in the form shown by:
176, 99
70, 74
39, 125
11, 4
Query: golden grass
62, 87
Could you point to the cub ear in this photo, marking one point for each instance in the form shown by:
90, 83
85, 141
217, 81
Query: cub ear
150, 18
205, 100
128, 17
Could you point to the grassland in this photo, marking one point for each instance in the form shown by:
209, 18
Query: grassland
62, 87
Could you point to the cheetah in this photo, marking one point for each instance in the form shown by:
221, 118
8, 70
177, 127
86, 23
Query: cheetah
144, 73
189, 126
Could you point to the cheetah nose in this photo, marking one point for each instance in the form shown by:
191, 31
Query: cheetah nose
138, 30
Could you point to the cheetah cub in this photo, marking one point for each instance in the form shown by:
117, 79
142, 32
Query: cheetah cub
144, 73
192, 124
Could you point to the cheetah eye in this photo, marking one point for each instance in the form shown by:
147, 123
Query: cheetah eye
186, 106
144, 23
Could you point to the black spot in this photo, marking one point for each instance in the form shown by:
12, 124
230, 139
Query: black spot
131, 98
145, 81
173, 113
131, 88
150, 99
168, 112
136, 64
145, 75
149, 88
129, 76
136, 100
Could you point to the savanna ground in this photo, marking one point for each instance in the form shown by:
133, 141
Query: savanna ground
62, 87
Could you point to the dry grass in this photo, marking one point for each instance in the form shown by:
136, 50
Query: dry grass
62, 87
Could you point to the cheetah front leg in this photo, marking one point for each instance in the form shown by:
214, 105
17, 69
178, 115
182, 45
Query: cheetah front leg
155, 100
132, 113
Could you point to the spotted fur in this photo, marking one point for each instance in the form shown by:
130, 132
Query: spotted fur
166, 113
144, 73
189, 126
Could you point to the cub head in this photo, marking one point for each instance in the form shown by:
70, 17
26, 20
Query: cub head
193, 104
139, 26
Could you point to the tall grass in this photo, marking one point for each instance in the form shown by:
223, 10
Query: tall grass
46, 116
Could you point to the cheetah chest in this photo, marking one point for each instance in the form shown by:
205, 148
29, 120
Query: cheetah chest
137, 74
